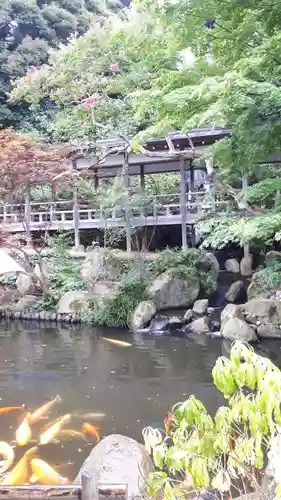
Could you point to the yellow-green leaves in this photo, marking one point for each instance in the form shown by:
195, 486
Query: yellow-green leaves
199, 472
215, 450
223, 377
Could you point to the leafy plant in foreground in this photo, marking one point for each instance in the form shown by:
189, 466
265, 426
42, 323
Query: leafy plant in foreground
199, 451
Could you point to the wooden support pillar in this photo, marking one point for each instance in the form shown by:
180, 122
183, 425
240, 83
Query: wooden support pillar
144, 235
183, 203
245, 186
127, 210
96, 179
193, 236
191, 173
76, 218
27, 211
142, 179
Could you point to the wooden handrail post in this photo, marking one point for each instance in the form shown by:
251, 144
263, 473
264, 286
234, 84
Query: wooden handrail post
89, 489
76, 218
27, 211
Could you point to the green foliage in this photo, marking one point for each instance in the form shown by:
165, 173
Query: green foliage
181, 262
199, 451
8, 281
261, 229
29, 29
64, 273
117, 311
47, 303
173, 71
268, 279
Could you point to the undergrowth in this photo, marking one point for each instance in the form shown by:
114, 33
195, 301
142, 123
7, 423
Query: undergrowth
183, 263
117, 311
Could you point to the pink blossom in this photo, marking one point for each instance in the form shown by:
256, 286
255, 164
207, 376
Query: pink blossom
85, 105
114, 66
32, 69
91, 101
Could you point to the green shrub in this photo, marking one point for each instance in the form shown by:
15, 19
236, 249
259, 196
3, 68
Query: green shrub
64, 273
198, 451
117, 312
183, 259
268, 279
8, 281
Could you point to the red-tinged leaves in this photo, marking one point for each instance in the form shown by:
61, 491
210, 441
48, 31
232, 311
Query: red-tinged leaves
25, 162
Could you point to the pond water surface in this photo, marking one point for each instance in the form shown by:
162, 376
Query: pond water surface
132, 387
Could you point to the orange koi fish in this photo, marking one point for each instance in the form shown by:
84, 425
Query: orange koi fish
6, 451
45, 474
19, 474
91, 429
117, 342
7, 409
38, 414
54, 430
23, 433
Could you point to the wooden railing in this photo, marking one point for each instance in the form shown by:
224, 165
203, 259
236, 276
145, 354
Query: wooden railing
88, 490
159, 210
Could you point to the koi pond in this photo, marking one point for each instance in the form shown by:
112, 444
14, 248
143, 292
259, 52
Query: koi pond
109, 387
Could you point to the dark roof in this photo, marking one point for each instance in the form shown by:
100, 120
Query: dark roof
205, 136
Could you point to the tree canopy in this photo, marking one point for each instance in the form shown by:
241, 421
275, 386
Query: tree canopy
28, 29
173, 65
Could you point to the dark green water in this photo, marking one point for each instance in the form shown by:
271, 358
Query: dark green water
133, 387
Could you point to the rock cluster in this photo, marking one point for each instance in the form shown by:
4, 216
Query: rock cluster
256, 318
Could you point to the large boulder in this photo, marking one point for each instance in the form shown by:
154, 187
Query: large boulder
246, 265
118, 460
236, 292
256, 291
264, 309
231, 311
232, 266
25, 284
142, 315
237, 329
73, 302
272, 256
168, 292
200, 306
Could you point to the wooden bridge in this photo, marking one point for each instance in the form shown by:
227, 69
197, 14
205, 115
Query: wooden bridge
70, 215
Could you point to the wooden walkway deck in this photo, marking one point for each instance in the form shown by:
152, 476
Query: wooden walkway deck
68, 215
